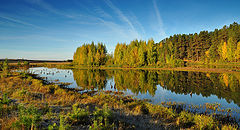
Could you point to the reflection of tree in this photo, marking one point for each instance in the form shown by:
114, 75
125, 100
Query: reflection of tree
222, 85
136, 81
89, 79
225, 86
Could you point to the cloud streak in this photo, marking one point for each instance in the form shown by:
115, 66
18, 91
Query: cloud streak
48, 7
76, 17
114, 27
122, 17
102, 13
136, 22
103, 18
159, 19
19, 21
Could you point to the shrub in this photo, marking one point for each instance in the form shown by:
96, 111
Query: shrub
229, 127
160, 111
5, 99
99, 126
1, 63
53, 127
26, 64
102, 119
138, 108
185, 119
5, 68
204, 122
19, 64
79, 115
28, 117
62, 125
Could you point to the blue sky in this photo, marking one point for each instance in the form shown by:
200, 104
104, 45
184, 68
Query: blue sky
53, 29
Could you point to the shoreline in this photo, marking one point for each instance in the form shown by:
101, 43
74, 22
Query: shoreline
191, 68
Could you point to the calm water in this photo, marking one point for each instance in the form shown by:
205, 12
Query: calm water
190, 88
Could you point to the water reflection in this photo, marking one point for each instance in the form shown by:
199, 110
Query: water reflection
226, 86
190, 88
206, 84
90, 79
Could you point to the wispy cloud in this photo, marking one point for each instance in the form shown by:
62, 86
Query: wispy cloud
49, 8
91, 18
122, 17
34, 37
19, 21
139, 25
102, 13
114, 27
159, 19
75, 16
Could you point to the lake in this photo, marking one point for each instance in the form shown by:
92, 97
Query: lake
157, 86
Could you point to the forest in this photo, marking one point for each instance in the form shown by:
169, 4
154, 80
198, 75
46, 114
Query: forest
218, 46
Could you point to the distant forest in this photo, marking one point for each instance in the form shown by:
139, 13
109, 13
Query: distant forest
218, 46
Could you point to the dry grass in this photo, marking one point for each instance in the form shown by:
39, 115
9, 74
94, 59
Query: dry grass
29, 90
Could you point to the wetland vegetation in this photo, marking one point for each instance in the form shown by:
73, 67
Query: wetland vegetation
30, 101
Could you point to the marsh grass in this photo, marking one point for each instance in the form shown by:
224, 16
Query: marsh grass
35, 98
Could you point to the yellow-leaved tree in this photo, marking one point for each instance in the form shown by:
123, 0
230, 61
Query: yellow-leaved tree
222, 50
230, 50
237, 52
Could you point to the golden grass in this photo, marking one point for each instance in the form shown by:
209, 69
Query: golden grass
28, 90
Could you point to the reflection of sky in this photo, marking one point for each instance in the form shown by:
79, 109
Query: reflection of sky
56, 74
164, 95
161, 94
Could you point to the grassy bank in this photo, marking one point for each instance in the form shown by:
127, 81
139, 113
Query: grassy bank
216, 68
30, 102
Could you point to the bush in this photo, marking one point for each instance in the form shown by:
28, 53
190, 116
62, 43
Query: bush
26, 64
204, 122
5, 69
53, 127
99, 126
62, 125
79, 115
229, 127
138, 108
1, 63
185, 119
102, 119
5, 99
28, 117
19, 64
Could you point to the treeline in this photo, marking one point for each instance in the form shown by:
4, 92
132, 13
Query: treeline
91, 54
220, 45
142, 53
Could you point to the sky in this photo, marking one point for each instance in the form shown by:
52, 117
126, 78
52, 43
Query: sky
53, 29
